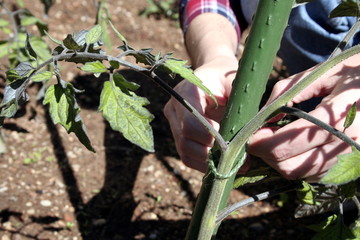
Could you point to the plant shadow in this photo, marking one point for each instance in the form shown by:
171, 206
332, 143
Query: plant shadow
108, 215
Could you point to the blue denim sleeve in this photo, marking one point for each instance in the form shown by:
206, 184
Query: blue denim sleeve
311, 35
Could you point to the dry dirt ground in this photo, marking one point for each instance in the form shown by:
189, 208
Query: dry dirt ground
121, 191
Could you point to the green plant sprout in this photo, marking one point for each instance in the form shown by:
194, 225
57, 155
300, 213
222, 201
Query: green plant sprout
35, 156
14, 47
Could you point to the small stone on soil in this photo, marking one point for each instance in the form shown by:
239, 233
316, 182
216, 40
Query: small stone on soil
45, 203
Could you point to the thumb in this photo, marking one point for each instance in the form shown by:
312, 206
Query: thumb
319, 88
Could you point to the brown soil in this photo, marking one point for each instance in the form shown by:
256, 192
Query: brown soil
121, 191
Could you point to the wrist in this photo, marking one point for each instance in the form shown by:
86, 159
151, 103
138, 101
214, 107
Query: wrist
210, 36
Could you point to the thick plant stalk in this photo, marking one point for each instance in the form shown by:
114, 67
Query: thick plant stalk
249, 85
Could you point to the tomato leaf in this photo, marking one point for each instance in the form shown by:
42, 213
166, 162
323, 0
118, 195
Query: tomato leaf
70, 43
307, 193
65, 111
180, 67
356, 229
143, 55
14, 95
124, 84
122, 38
332, 229
327, 199
4, 48
41, 48
53, 39
12, 75
23, 69
251, 177
28, 20
29, 48
347, 169
4, 23
348, 190
350, 116
93, 35
41, 76
105, 36
94, 67
126, 114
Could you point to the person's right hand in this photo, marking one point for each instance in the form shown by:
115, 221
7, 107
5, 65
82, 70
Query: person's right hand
192, 139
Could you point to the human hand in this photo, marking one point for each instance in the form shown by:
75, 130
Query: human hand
192, 139
302, 149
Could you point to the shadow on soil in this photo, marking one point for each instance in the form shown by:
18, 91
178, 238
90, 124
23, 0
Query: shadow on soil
115, 203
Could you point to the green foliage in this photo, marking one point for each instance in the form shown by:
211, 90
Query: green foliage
252, 177
348, 190
65, 111
283, 199
306, 193
125, 112
119, 103
93, 35
350, 116
34, 157
70, 43
94, 67
347, 169
118, 34
31, 61
332, 228
179, 67
20, 3
326, 199
41, 76
356, 230
20, 46
103, 19
14, 95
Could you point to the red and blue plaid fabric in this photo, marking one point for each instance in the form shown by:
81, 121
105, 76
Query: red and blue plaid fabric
189, 9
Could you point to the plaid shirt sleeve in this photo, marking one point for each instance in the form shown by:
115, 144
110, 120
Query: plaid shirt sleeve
189, 9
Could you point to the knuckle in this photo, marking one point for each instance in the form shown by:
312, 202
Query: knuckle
188, 126
167, 109
187, 131
289, 175
288, 171
187, 161
279, 154
280, 87
181, 146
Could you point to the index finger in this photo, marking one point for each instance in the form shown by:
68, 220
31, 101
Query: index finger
291, 140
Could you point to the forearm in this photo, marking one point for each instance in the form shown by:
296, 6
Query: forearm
210, 36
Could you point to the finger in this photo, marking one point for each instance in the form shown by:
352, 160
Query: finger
321, 87
293, 139
245, 167
186, 124
312, 164
194, 155
302, 135
196, 131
